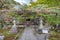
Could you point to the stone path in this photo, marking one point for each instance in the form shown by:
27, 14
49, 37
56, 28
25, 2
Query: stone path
41, 37
28, 34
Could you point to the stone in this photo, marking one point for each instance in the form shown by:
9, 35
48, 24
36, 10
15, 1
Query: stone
45, 31
28, 34
41, 26
14, 29
2, 37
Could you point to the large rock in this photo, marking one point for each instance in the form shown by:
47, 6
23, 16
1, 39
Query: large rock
2, 37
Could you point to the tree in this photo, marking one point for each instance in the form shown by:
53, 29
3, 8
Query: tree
7, 4
48, 2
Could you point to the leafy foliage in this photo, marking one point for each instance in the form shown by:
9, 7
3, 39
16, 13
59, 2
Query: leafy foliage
48, 2
51, 19
7, 4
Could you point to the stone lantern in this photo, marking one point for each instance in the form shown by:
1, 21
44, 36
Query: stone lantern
14, 29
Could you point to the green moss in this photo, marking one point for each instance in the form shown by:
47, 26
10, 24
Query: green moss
54, 35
